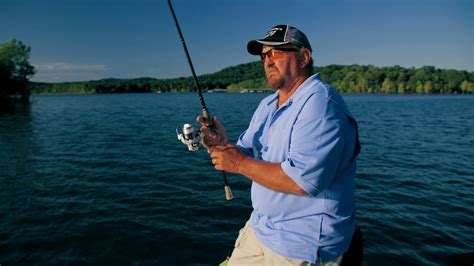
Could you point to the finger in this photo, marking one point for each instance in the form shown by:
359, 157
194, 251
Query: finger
220, 148
213, 153
208, 148
208, 132
218, 167
202, 120
217, 123
209, 138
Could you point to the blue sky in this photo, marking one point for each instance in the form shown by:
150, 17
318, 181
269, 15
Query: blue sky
76, 40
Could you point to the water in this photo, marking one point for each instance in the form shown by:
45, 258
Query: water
102, 179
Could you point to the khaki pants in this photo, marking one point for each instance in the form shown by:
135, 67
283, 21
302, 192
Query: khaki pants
249, 251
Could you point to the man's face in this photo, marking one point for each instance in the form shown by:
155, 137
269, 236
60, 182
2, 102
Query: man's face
281, 65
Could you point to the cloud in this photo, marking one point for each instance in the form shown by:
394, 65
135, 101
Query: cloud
61, 71
70, 67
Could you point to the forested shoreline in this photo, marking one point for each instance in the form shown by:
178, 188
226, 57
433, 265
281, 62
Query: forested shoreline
346, 78
16, 87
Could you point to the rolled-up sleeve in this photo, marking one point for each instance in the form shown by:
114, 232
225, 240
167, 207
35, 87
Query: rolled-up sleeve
316, 146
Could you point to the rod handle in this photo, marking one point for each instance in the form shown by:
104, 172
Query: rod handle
206, 115
228, 193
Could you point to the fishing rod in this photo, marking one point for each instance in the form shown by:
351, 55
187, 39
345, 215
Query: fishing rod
189, 136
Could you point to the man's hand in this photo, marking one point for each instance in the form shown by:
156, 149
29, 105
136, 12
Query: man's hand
227, 158
211, 137
270, 175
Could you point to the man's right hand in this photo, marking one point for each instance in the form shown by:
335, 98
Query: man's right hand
212, 136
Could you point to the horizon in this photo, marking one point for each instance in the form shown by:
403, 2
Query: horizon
190, 76
75, 41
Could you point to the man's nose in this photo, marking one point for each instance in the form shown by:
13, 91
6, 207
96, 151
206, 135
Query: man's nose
268, 61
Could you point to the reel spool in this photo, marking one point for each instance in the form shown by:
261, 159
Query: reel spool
190, 137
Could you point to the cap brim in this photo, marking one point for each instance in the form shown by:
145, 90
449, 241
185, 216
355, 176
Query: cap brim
255, 47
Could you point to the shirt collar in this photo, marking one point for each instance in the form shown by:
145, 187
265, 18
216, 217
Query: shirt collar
272, 98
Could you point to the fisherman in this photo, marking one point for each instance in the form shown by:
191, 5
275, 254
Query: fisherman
299, 150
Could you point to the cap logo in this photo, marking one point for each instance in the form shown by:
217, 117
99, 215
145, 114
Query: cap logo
272, 32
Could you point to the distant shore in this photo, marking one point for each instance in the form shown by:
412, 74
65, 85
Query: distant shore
251, 78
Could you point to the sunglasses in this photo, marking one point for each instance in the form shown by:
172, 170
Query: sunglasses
276, 53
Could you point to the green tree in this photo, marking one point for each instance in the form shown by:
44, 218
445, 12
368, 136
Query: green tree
362, 84
401, 88
388, 86
15, 70
419, 87
349, 81
375, 77
467, 87
428, 87
452, 80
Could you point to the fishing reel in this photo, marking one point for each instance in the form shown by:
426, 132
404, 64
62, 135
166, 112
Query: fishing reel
190, 137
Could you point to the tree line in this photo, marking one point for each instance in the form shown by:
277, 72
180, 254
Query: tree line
346, 78
218, 80
396, 79
15, 72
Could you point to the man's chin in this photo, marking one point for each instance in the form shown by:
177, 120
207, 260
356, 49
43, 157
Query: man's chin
272, 80
274, 83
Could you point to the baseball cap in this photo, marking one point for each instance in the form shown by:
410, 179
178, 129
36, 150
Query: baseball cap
279, 35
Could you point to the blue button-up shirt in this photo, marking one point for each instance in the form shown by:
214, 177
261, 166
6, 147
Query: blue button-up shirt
313, 137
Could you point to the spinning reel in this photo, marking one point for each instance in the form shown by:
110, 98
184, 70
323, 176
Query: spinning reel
189, 137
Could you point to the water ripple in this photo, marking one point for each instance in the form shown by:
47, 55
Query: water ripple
102, 179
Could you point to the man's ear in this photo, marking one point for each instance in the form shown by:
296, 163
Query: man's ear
305, 57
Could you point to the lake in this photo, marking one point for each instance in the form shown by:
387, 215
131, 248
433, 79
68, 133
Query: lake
102, 179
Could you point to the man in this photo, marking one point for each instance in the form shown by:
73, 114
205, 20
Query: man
299, 150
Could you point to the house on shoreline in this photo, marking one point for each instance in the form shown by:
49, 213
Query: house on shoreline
257, 91
242, 91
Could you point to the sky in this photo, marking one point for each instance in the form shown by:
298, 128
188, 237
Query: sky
79, 40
